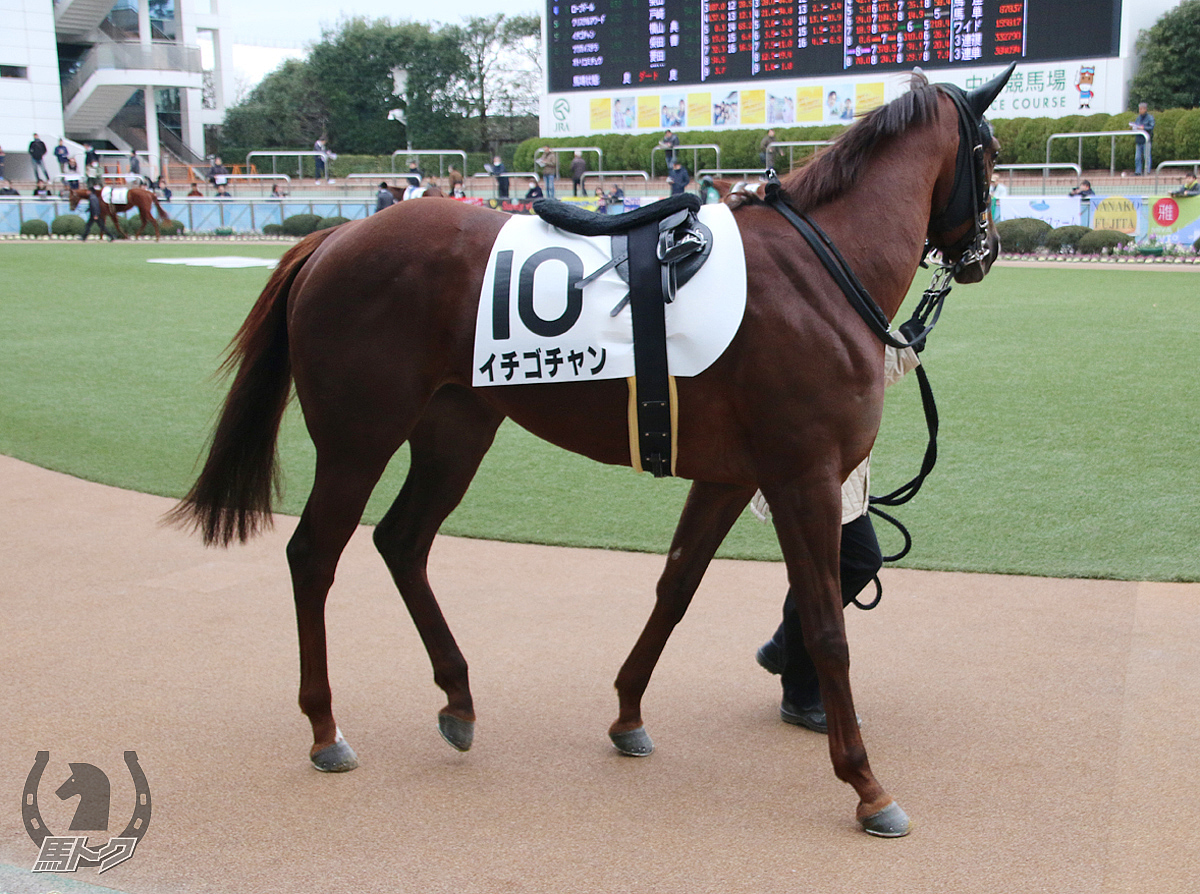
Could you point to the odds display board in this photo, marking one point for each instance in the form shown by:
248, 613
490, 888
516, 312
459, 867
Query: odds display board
710, 63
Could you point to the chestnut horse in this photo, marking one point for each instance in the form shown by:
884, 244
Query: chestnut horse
135, 197
374, 323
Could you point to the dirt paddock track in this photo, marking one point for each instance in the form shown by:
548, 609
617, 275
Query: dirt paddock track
1041, 733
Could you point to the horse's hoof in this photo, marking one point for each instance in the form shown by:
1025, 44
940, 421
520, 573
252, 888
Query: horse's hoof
634, 743
459, 733
891, 822
336, 758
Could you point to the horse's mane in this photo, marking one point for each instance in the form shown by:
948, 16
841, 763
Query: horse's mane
834, 170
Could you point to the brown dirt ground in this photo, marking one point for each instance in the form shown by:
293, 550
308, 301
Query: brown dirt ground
1041, 733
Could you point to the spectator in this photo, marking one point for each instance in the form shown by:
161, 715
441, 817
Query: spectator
670, 143
708, 192
218, 174
195, 191
222, 192
415, 175
497, 170
70, 174
384, 197
41, 189
547, 162
1084, 189
766, 150
6, 188
578, 169
2, 157
679, 178
455, 179
37, 154
1143, 123
321, 161
616, 200
91, 165
601, 201
62, 155
1190, 187
135, 168
276, 192
534, 191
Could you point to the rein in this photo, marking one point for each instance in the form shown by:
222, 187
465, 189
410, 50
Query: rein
916, 329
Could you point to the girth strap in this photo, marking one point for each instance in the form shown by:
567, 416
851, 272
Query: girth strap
651, 384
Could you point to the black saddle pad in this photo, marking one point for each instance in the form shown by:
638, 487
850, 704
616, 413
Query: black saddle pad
574, 219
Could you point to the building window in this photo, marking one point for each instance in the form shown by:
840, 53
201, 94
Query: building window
14, 71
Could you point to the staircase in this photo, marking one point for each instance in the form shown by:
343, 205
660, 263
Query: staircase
74, 19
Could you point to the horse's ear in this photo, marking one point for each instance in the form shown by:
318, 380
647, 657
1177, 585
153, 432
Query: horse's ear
981, 97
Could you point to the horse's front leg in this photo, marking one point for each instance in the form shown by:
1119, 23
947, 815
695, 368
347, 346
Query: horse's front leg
807, 520
708, 514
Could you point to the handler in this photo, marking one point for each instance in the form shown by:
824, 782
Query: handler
95, 214
784, 653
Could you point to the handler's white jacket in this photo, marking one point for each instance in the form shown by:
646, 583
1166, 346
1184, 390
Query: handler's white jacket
897, 362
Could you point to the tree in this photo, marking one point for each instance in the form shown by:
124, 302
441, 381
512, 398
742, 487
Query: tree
1168, 73
504, 71
344, 89
285, 110
352, 69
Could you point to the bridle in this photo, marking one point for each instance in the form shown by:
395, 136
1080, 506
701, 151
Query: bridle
969, 197
971, 193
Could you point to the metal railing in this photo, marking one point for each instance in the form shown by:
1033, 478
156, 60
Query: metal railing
133, 56
793, 145
441, 156
1044, 168
1183, 163
760, 173
695, 147
1112, 134
274, 156
613, 175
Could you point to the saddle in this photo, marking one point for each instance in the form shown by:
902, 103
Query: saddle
655, 249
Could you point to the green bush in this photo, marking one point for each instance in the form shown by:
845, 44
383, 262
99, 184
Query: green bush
1196, 245
172, 227
1102, 242
223, 231
301, 224
35, 228
67, 225
1022, 235
272, 229
1065, 238
326, 222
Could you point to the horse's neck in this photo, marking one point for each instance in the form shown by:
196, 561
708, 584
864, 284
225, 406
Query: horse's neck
879, 225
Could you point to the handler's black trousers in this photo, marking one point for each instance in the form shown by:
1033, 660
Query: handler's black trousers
99, 221
860, 562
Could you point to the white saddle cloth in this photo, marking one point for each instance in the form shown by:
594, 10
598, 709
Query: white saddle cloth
534, 327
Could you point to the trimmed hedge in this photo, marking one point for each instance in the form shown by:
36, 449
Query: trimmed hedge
272, 229
1022, 235
35, 228
301, 224
326, 222
67, 225
1065, 238
1102, 242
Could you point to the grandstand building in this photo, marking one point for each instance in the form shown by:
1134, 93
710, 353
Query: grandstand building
144, 75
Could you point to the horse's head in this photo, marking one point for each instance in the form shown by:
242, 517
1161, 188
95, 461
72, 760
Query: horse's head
77, 195
963, 230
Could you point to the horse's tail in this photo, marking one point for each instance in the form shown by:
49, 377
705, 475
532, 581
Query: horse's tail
232, 498
162, 214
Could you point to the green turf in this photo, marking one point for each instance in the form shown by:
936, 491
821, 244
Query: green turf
1067, 396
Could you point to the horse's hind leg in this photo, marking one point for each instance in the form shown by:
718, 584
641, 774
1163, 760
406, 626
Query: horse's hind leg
341, 488
447, 446
708, 514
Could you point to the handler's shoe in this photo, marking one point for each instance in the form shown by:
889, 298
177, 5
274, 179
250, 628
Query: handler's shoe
770, 657
809, 718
